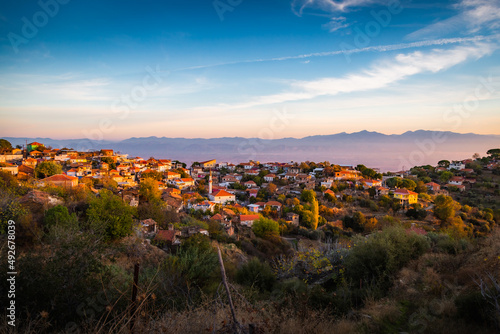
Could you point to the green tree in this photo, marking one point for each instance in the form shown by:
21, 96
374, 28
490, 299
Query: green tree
356, 222
60, 216
426, 179
109, 215
47, 168
445, 176
149, 191
409, 184
421, 187
308, 196
111, 163
494, 152
372, 192
444, 163
394, 182
153, 175
266, 228
108, 183
5, 145
315, 212
154, 210
361, 168
445, 207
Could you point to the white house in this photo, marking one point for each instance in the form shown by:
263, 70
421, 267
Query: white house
458, 165
222, 197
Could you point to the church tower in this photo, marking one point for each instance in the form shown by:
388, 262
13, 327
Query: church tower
210, 183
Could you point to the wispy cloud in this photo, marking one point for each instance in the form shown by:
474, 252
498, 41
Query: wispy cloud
55, 88
377, 76
336, 23
473, 16
376, 48
329, 6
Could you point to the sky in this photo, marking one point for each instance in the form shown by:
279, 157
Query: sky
269, 69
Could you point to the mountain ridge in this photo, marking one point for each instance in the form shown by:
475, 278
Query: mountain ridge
386, 151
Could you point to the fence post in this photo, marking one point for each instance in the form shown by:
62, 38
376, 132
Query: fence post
224, 281
133, 307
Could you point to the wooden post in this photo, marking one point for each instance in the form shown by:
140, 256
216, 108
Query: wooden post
133, 307
224, 281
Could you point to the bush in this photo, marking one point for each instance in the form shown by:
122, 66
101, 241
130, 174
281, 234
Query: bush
376, 259
59, 216
68, 282
442, 242
266, 228
472, 307
256, 274
415, 213
110, 215
192, 271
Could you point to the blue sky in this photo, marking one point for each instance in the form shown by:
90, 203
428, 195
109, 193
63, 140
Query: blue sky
269, 69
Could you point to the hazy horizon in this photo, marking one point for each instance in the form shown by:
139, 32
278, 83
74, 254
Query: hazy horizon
311, 135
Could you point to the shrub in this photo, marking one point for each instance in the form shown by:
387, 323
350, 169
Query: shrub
110, 215
415, 213
266, 228
377, 258
256, 274
472, 307
59, 216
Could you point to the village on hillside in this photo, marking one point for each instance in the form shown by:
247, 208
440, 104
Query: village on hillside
236, 195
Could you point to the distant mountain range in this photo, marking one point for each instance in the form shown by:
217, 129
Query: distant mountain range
387, 152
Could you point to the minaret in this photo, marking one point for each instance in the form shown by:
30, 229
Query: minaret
210, 183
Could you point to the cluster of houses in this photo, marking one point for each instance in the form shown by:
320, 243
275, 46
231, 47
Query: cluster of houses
225, 184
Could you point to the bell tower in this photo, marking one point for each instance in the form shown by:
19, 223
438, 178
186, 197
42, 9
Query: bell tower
210, 183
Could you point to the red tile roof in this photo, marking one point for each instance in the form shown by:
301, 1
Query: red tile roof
166, 235
404, 191
249, 217
222, 193
60, 177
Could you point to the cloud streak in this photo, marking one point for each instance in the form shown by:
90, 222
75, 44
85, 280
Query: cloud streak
377, 76
330, 6
474, 16
377, 48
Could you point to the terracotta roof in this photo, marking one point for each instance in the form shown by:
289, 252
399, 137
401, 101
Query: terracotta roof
60, 177
217, 216
405, 191
274, 203
166, 235
249, 217
222, 193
